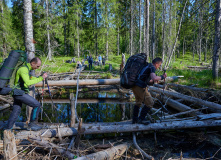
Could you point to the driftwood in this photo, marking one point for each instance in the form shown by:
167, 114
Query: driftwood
121, 128
48, 146
10, 150
108, 154
187, 98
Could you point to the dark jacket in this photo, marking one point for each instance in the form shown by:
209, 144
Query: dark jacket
144, 76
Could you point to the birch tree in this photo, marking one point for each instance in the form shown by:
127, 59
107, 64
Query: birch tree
28, 29
48, 33
147, 31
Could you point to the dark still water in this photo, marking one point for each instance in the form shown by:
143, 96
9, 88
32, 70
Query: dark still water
101, 107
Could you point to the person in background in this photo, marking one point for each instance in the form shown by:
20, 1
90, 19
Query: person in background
103, 60
141, 93
99, 60
78, 64
90, 61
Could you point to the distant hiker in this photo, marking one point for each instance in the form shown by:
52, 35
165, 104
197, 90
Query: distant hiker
103, 60
73, 60
99, 60
78, 64
140, 90
90, 61
23, 80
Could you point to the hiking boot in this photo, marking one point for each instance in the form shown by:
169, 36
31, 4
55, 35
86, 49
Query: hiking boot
33, 126
135, 114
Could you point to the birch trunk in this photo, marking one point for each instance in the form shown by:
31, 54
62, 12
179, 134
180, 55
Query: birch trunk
48, 34
29, 45
178, 32
78, 37
153, 36
131, 27
96, 28
163, 32
147, 31
216, 49
28, 29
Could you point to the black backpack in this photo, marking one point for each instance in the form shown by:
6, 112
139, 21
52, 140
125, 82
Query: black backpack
132, 69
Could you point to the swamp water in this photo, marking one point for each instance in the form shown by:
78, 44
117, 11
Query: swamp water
112, 107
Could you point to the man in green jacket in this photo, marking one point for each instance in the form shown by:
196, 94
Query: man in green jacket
23, 80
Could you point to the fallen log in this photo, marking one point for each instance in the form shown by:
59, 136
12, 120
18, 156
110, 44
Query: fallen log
5, 100
92, 82
94, 100
81, 82
48, 145
4, 107
173, 103
187, 87
187, 98
121, 128
108, 154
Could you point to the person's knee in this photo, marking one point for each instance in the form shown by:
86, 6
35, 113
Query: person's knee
17, 109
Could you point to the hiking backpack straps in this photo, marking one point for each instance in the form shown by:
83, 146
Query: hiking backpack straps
10, 66
132, 69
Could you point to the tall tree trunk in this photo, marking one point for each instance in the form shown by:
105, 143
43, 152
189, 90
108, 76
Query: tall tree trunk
28, 29
200, 35
65, 29
96, 28
118, 41
131, 27
216, 49
29, 45
163, 28
78, 37
178, 32
205, 52
2, 29
153, 36
48, 34
147, 30
107, 28
140, 27
144, 30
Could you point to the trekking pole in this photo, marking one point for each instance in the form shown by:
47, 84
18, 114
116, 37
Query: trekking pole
42, 97
46, 81
164, 71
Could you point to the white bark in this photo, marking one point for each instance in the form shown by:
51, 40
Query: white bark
28, 29
147, 30
48, 33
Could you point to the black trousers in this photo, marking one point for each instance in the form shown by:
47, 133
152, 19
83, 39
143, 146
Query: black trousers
18, 100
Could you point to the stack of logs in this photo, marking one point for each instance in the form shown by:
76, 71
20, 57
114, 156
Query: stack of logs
165, 95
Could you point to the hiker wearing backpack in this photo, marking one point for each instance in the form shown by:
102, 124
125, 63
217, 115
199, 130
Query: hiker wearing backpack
136, 75
22, 81
140, 90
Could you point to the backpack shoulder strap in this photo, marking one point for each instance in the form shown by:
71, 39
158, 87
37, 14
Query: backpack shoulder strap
143, 70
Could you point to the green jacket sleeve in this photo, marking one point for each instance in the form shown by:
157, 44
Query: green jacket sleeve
23, 72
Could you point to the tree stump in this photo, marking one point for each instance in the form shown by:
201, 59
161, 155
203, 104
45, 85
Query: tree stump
10, 151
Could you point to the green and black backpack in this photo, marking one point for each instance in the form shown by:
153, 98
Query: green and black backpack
9, 67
